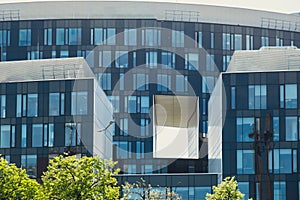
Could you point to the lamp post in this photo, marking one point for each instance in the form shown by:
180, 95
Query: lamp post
111, 122
262, 145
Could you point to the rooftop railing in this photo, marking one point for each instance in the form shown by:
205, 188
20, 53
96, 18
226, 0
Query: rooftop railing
9, 15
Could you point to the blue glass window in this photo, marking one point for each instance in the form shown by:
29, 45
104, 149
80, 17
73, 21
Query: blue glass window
200, 192
151, 59
279, 42
208, 83
121, 59
245, 162
244, 188
167, 60
144, 127
212, 40
282, 161
226, 61
115, 101
4, 38
151, 37
198, 36
244, 127
249, 42
191, 61
123, 126
257, 96
3, 106
48, 36
210, 62
72, 134
64, 54
60, 36
79, 103
105, 59
32, 105
291, 128
140, 82
56, 104
163, 82
105, 81
181, 83
51, 135
74, 36
279, 190
226, 41
233, 97
275, 128
37, 135
5, 136
177, 38
144, 104
24, 135
25, 37
237, 42
100, 36
132, 102
264, 41
29, 162
288, 96
130, 37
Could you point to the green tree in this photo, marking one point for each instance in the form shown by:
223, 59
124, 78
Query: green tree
140, 190
69, 178
227, 190
15, 183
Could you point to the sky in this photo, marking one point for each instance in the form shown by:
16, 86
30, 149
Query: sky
282, 6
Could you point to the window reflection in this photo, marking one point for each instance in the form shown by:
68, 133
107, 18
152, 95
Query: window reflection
244, 127
37, 135
245, 162
25, 37
29, 162
32, 105
5, 137
79, 103
121, 59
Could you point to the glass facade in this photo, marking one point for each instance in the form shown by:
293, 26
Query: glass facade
136, 46
267, 127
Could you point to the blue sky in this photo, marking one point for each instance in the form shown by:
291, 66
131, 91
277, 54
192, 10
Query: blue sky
284, 6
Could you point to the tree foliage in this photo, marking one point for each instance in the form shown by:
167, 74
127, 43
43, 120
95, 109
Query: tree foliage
140, 190
227, 190
15, 183
69, 178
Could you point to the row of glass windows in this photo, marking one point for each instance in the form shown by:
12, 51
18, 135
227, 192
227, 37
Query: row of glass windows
257, 96
187, 193
245, 126
42, 135
140, 82
149, 37
27, 104
279, 190
281, 161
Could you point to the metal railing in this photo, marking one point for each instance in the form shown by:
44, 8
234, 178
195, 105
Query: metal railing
9, 15
182, 15
274, 23
60, 71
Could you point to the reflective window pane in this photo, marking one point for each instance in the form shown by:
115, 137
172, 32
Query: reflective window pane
291, 129
32, 105
37, 135
54, 104
79, 103
245, 162
291, 96
25, 37
5, 136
